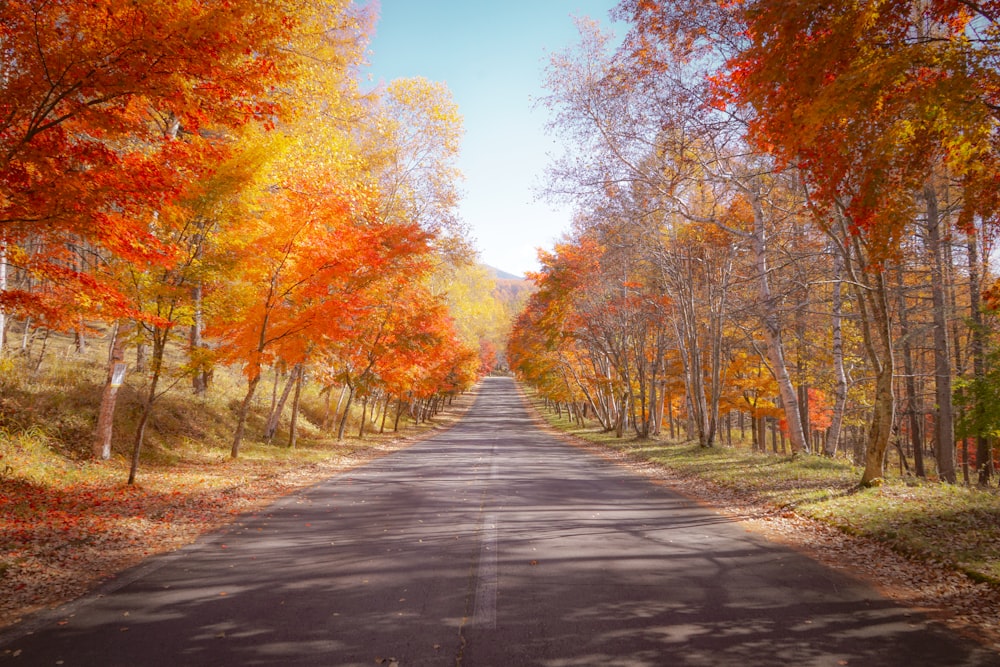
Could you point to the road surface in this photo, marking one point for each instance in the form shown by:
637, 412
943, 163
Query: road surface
491, 544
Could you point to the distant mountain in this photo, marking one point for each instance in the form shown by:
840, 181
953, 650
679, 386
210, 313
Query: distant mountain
512, 291
502, 275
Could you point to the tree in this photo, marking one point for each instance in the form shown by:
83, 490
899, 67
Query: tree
411, 142
481, 318
81, 156
631, 130
305, 264
871, 101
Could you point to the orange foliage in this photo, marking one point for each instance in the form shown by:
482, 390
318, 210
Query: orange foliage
868, 100
90, 119
820, 411
303, 270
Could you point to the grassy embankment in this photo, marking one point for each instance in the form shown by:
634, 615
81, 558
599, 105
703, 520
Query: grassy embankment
942, 523
47, 421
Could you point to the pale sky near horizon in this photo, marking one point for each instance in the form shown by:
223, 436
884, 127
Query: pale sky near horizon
492, 56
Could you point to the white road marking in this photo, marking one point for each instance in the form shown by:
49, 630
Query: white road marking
485, 613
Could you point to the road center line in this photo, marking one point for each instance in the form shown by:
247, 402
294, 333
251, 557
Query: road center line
485, 612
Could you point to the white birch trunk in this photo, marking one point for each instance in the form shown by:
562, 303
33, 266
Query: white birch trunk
772, 336
945, 423
840, 377
3, 288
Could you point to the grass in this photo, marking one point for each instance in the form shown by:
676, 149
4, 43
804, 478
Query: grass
58, 406
941, 523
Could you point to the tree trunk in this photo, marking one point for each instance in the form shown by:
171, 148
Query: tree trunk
26, 336
364, 416
955, 339
200, 379
347, 410
385, 412
41, 353
772, 337
399, 411
377, 403
141, 356
761, 425
717, 315
275, 417
945, 425
692, 363
327, 405
802, 353
977, 345
868, 282
335, 411
106, 415
241, 420
840, 376
652, 426
884, 412
913, 404
140, 434
79, 265
278, 372
622, 416
292, 433
256, 371
159, 346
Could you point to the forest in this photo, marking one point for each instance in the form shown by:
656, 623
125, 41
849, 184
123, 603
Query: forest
191, 189
786, 224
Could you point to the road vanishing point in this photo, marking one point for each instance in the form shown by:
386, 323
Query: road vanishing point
493, 543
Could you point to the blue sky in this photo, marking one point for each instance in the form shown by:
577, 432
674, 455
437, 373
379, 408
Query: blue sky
491, 55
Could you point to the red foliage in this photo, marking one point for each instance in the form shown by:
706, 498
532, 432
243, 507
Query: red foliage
99, 127
487, 357
820, 411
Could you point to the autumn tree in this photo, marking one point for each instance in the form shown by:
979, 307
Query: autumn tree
214, 161
661, 134
543, 349
212, 177
481, 319
306, 263
874, 103
410, 140
82, 158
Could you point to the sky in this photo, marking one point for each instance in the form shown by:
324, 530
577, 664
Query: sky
492, 56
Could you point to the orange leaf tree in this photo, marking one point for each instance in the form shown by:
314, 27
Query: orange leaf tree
874, 102
86, 90
303, 269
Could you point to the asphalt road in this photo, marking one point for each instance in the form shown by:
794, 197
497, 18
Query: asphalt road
490, 544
